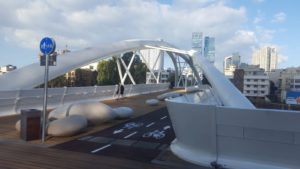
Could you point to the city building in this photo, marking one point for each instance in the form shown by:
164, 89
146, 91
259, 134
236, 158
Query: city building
289, 80
7, 68
84, 76
163, 78
81, 77
154, 58
209, 48
197, 43
252, 81
266, 58
231, 63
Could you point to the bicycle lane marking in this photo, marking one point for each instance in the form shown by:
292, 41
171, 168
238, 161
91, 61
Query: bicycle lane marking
151, 124
101, 148
129, 135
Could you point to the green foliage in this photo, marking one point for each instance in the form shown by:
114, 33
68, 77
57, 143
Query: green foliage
79, 77
107, 73
85, 77
60, 81
139, 73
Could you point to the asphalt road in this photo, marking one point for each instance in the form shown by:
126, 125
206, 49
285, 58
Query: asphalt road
142, 138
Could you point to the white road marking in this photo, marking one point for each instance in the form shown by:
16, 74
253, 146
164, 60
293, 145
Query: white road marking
130, 134
151, 124
163, 117
101, 148
118, 131
167, 127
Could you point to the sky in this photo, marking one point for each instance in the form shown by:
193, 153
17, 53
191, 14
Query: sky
237, 25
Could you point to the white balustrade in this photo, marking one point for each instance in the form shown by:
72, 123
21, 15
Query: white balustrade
11, 102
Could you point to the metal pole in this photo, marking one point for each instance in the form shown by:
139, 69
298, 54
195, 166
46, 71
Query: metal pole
45, 99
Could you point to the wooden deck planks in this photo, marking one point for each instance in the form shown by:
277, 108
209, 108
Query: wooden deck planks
15, 155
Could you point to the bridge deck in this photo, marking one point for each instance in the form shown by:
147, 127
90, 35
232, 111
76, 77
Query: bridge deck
15, 153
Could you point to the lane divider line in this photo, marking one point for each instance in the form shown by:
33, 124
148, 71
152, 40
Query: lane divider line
101, 148
151, 124
163, 117
130, 134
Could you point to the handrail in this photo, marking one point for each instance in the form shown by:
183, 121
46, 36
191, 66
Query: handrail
11, 102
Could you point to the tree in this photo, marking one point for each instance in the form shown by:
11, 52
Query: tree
59, 81
107, 72
140, 71
78, 78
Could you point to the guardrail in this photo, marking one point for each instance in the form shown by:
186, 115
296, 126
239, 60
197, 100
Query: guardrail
235, 138
11, 102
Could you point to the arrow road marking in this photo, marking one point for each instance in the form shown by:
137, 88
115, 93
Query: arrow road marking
130, 134
167, 127
151, 124
118, 131
101, 148
163, 117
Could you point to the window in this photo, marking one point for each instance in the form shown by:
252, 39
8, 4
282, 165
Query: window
297, 80
262, 92
248, 91
255, 85
248, 80
262, 80
254, 91
248, 85
262, 86
255, 80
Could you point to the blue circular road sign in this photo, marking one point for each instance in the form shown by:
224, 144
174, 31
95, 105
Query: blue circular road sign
47, 45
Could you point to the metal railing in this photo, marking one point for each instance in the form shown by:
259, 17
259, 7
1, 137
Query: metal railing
11, 102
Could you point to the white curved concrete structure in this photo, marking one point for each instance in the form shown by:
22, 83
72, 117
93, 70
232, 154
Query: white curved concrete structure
152, 102
33, 75
163, 96
231, 137
123, 112
67, 126
95, 112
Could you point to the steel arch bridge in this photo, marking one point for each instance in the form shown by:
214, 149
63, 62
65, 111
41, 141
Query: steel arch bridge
32, 75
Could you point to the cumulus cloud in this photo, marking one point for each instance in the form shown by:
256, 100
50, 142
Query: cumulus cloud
279, 17
282, 59
257, 20
243, 42
265, 35
79, 24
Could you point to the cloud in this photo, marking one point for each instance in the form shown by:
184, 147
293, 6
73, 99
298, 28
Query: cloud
282, 59
259, 1
265, 35
257, 20
243, 41
79, 24
279, 17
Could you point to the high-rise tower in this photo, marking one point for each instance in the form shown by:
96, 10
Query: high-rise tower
197, 42
209, 48
266, 58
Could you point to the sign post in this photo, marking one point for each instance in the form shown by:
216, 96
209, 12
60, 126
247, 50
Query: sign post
47, 47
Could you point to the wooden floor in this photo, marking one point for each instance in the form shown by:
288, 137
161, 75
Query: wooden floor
25, 156
18, 154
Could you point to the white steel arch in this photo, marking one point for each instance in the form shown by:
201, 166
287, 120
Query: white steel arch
33, 75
